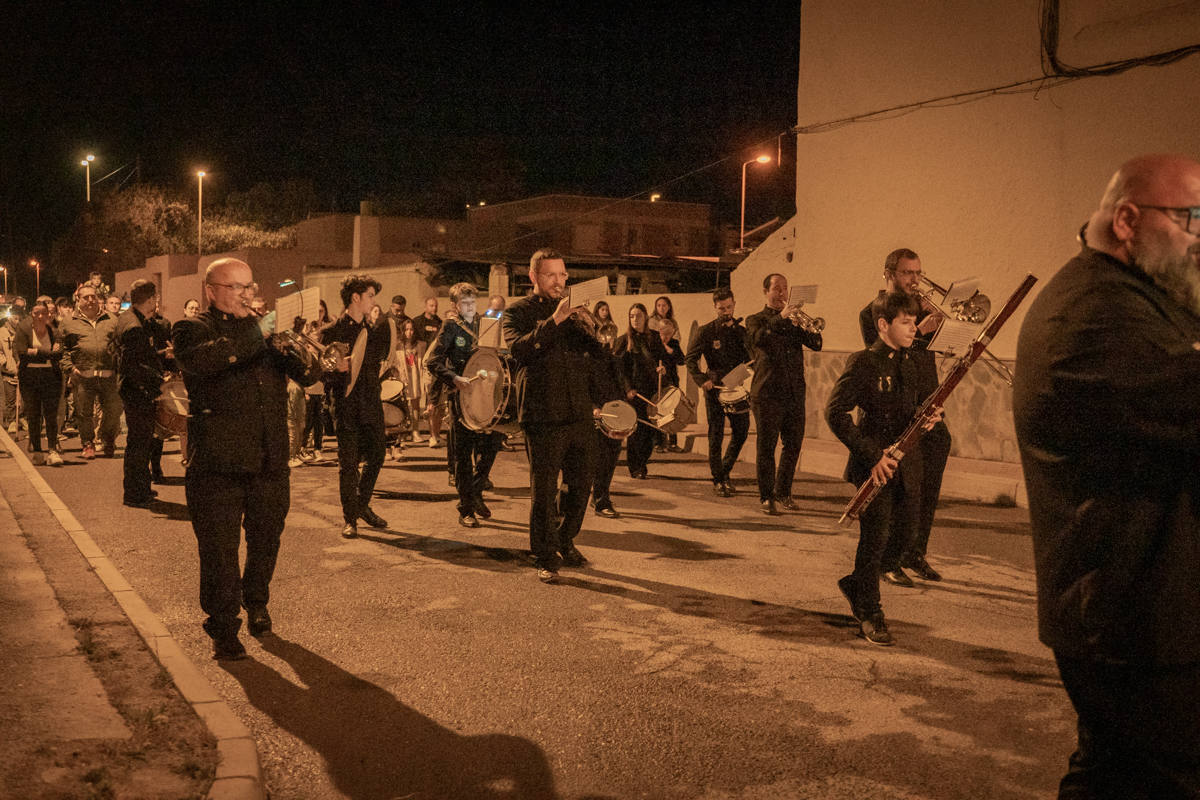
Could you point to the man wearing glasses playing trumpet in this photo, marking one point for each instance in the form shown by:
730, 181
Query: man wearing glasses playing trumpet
237, 434
902, 270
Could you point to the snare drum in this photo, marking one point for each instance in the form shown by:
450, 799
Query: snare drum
617, 419
735, 400
489, 402
672, 410
390, 391
171, 409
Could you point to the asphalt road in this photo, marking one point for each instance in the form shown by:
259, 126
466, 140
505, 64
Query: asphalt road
704, 653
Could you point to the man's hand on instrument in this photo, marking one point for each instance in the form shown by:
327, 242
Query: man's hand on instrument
708, 384
565, 309
460, 382
632, 393
934, 416
884, 468
790, 310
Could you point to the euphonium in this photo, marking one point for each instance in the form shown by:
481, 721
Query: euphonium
308, 349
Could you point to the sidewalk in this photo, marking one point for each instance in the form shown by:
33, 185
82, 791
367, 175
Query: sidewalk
87, 709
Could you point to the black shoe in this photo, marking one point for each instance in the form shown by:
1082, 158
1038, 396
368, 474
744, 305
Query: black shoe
141, 502
607, 511
228, 648
719, 489
897, 577
350, 531
468, 521
481, 509
789, 504
729, 490
371, 518
922, 570
547, 570
875, 630
158, 478
769, 508
488, 485
571, 557
846, 587
658, 448
675, 449
640, 475
258, 621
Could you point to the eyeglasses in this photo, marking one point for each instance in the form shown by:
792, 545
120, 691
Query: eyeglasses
915, 273
1190, 223
237, 288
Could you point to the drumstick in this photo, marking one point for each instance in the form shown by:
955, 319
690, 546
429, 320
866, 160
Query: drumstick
648, 400
602, 414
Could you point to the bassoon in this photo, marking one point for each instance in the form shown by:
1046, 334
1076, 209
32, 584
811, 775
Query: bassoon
869, 489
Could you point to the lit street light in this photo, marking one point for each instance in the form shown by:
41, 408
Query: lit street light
87, 175
37, 265
742, 235
4, 269
200, 211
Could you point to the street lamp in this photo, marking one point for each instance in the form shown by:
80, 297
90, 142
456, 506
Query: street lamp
199, 211
37, 265
742, 235
4, 269
87, 175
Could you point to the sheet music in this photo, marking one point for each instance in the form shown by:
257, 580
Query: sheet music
954, 337
587, 293
736, 376
491, 332
960, 291
799, 295
304, 303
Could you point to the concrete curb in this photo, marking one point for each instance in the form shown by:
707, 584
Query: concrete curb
239, 771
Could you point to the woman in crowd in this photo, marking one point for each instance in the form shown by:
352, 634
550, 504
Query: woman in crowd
191, 308
668, 334
410, 355
315, 412
40, 378
606, 331
641, 354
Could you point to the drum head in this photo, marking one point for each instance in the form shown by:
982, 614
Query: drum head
174, 397
484, 400
618, 419
390, 390
394, 417
667, 401
733, 395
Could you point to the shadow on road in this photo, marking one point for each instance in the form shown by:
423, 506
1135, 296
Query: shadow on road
377, 747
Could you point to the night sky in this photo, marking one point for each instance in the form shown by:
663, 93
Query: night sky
421, 102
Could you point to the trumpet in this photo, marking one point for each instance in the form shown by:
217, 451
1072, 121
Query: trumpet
310, 350
975, 309
810, 324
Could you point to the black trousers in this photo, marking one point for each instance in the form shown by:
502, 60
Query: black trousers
568, 450
608, 452
935, 450
40, 391
640, 444
314, 420
474, 454
139, 446
221, 505
359, 441
1139, 733
775, 421
739, 427
884, 529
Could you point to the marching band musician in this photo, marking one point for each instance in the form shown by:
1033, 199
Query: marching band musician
237, 440
474, 451
357, 407
551, 350
902, 271
882, 382
722, 343
641, 354
776, 340
141, 369
608, 383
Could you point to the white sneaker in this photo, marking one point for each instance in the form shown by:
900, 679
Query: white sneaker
317, 458
53, 459
306, 456
295, 462
12, 427
435, 441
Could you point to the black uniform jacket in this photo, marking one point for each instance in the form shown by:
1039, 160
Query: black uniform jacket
1106, 401
925, 358
778, 350
237, 393
452, 349
673, 359
723, 347
363, 403
882, 384
608, 379
139, 365
553, 363
639, 355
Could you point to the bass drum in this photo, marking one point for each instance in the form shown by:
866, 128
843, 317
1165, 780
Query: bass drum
171, 409
396, 419
617, 419
490, 402
672, 410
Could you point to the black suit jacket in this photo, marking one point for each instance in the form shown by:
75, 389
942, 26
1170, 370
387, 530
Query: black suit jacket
139, 365
778, 350
723, 348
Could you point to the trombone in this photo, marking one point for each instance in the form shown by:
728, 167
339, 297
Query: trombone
975, 309
310, 350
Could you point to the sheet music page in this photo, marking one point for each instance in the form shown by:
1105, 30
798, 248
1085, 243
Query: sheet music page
960, 291
954, 337
736, 376
304, 303
799, 295
588, 292
490, 332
